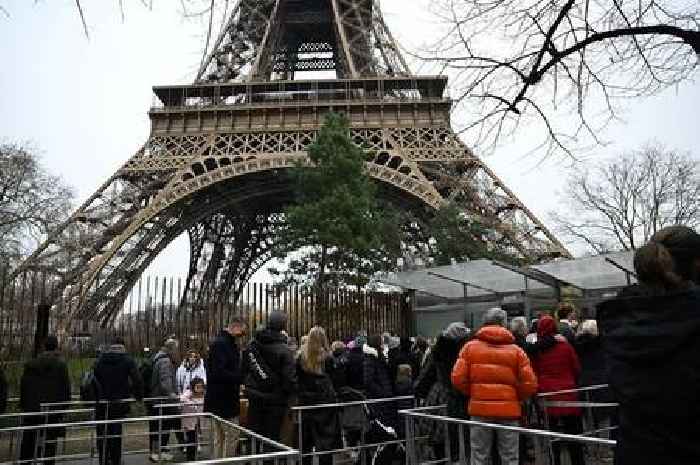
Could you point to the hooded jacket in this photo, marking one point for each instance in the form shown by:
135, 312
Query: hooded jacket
163, 380
494, 373
44, 380
651, 345
272, 346
119, 378
378, 384
557, 367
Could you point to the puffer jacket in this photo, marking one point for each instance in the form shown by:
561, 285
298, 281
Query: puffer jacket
557, 368
651, 344
494, 373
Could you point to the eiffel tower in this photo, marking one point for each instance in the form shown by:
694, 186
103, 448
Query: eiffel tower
213, 165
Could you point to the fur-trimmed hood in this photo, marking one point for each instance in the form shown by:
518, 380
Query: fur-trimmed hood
367, 350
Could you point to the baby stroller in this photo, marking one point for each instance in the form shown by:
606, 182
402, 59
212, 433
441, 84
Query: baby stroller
360, 421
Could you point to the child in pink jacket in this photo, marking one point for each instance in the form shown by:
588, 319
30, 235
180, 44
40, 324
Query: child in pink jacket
192, 402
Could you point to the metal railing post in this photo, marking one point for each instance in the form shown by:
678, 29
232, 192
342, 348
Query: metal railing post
160, 434
462, 448
301, 437
410, 441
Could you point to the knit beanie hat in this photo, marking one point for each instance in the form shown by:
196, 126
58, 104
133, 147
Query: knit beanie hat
457, 330
277, 321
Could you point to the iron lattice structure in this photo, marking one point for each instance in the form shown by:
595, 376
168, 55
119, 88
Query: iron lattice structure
214, 163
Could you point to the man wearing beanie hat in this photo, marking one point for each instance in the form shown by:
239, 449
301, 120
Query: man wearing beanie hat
270, 377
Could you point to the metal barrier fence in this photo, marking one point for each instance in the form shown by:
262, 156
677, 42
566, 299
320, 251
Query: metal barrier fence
362, 443
543, 443
78, 436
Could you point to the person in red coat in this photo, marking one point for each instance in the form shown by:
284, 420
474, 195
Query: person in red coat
557, 368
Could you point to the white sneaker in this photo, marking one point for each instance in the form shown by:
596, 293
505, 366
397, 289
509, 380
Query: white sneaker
167, 457
154, 457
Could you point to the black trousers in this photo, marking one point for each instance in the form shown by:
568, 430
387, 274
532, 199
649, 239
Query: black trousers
152, 427
308, 437
109, 437
569, 425
266, 419
29, 449
190, 437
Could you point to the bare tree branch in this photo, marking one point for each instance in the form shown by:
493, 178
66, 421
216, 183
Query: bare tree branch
555, 64
620, 204
82, 18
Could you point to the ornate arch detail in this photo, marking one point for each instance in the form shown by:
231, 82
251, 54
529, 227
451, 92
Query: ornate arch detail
199, 174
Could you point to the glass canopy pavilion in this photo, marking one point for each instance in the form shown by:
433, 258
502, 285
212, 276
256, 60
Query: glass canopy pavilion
463, 291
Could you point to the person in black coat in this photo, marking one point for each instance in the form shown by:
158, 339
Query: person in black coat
377, 380
44, 380
269, 398
651, 346
118, 378
320, 427
339, 362
224, 379
590, 354
434, 387
401, 355
355, 364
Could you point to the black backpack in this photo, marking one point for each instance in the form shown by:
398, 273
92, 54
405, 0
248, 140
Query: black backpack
146, 370
90, 389
265, 380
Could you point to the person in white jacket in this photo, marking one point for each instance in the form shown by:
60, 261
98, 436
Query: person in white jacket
192, 367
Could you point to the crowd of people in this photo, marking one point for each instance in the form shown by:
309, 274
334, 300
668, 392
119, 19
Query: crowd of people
644, 344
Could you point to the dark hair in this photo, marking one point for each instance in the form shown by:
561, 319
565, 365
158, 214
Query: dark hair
421, 343
51, 343
118, 341
668, 260
375, 341
195, 381
564, 310
237, 320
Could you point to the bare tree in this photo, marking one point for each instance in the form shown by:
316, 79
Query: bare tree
568, 64
32, 202
621, 203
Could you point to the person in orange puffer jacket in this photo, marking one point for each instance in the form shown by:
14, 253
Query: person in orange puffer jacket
496, 376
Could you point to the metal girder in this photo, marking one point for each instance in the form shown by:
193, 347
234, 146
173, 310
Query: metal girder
232, 246
276, 36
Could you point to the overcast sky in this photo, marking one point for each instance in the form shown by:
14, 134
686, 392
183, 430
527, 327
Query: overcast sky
84, 103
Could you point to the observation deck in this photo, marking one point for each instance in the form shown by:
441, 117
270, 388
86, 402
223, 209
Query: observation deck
280, 105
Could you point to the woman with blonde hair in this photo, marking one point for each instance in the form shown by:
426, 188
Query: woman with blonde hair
320, 427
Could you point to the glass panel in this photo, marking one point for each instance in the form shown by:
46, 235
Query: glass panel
592, 272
